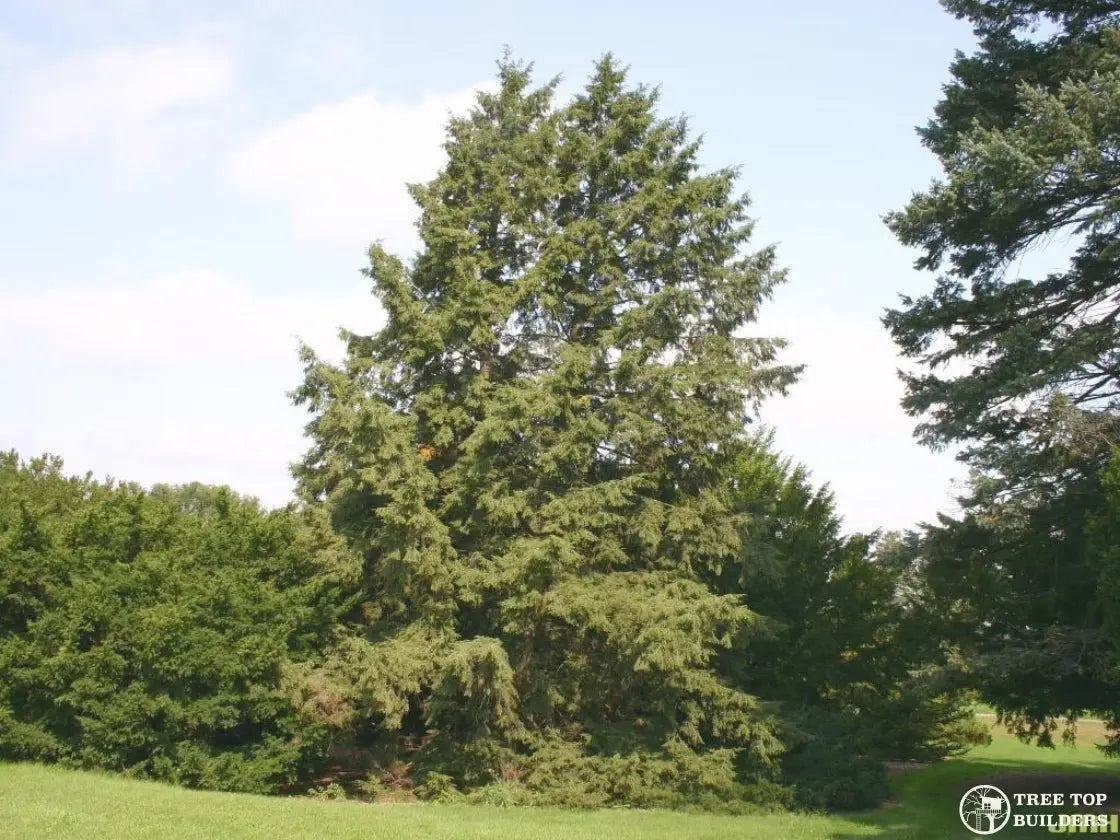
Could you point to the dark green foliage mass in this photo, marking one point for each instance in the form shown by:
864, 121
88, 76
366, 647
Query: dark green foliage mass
149, 632
1022, 371
1104, 558
533, 455
573, 579
843, 650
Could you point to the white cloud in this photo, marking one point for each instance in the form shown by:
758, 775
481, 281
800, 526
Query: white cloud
138, 108
186, 318
182, 378
341, 168
13, 51
843, 420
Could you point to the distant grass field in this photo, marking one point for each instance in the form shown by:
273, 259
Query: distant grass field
43, 803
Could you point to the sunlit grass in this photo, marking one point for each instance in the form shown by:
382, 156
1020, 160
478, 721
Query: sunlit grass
45, 803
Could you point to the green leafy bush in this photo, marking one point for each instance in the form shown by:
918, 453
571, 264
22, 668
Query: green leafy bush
831, 762
156, 639
330, 792
439, 787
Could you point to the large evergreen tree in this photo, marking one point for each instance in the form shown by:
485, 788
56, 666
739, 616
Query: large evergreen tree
535, 454
1024, 371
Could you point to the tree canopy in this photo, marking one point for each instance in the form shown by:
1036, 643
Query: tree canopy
534, 453
1021, 371
540, 457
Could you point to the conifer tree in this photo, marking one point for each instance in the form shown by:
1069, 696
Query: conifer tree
535, 454
1022, 367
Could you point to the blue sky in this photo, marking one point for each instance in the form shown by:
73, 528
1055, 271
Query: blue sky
184, 188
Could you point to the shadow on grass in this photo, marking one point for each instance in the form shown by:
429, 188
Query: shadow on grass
926, 800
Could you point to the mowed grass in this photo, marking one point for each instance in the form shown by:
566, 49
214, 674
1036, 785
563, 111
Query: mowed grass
45, 803
41, 803
927, 798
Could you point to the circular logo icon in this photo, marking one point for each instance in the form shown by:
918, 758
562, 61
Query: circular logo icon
985, 809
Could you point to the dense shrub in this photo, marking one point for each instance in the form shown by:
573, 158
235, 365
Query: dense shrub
151, 630
831, 761
560, 773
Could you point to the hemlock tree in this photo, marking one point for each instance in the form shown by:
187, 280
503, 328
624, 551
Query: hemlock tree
1028, 133
841, 645
533, 456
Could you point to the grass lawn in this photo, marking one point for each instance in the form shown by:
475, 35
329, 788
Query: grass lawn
42, 803
927, 798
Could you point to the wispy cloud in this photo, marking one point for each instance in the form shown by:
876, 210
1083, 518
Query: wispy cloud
188, 317
133, 108
340, 169
177, 379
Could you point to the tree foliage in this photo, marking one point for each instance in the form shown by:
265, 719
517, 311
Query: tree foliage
533, 455
847, 652
149, 631
1023, 371
578, 558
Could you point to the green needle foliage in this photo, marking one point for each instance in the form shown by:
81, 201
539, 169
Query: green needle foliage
1104, 553
150, 632
534, 454
1028, 135
1024, 372
843, 649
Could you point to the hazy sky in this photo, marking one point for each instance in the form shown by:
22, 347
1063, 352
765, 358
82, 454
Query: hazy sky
184, 191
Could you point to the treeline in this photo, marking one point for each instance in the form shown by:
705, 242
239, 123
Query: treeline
185, 634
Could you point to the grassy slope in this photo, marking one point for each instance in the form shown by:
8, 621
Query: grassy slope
40, 803
51, 804
928, 798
